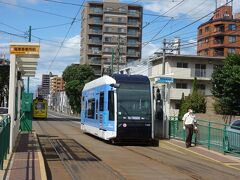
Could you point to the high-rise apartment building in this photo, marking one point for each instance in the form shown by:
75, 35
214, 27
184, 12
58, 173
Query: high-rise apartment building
56, 84
111, 32
45, 85
220, 35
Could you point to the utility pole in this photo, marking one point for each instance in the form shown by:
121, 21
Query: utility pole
164, 52
118, 50
112, 61
29, 40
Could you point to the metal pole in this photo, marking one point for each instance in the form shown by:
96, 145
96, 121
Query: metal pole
12, 98
164, 52
118, 53
29, 40
112, 61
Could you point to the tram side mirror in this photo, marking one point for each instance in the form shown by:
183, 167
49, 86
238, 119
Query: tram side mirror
115, 85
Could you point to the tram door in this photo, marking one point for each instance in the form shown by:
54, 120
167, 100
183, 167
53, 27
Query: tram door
101, 109
97, 109
158, 124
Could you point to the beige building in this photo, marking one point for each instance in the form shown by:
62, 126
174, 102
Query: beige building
56, 84
110, 29
183, 69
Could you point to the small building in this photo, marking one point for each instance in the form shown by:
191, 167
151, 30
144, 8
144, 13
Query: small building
57, 84
183, 69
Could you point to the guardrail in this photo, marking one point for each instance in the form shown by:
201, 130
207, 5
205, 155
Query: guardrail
212, 135
4, 139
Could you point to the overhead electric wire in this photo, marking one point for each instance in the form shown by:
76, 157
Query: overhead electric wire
53, 26
59, 49
37, 10
13, 34
187, 25
163, 13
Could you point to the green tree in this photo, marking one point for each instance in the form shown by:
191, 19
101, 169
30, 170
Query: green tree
226, 86
4, 82
75, 77
195, 100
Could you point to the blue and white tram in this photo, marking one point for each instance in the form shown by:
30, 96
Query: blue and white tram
118, 108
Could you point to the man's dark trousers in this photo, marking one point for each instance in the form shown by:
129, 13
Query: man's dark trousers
189, 134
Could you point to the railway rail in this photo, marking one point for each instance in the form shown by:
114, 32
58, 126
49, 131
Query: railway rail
75, 157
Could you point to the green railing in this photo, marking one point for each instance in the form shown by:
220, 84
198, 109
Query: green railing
212, 135
4, 139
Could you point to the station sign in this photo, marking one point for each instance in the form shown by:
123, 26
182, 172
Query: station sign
165, 80
29, 50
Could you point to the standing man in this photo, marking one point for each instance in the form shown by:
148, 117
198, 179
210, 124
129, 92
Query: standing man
188, 124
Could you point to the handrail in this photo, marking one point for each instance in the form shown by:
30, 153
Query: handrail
4, 139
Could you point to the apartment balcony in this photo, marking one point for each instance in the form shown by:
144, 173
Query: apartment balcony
131, 44
218, 53
187, 73
95, 61
133, 54
133, 14
95, 42
133, 34
94, 21
113, 11
95, 32
176, 94
133, 24
114, 32
114, 22
94, 52
96, 11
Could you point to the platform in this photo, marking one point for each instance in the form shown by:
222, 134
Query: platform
27, 160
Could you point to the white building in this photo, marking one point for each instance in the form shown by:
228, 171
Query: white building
183, 68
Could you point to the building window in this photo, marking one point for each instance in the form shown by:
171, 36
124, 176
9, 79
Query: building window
108, 39
177, 106
201, 86
122, 10
132, 41
132, 11
206, 29
181, 85
206, 40
108, 19
107, 49
121, 30
232, 27
108, 29
132, 31
108, 9
200, 70
200, 31
231, 50
182, 65
232, 39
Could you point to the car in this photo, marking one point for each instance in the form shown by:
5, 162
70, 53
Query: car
232, 138
3, 112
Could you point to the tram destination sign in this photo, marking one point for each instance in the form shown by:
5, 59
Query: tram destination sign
165, 80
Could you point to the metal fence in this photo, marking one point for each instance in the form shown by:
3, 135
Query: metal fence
4, 139
212, 135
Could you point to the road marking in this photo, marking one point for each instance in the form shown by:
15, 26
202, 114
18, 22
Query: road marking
205, 157
169, 148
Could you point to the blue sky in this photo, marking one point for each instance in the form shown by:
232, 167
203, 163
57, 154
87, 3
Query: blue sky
17, 20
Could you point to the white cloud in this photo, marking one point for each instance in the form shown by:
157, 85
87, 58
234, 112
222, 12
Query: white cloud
149, 50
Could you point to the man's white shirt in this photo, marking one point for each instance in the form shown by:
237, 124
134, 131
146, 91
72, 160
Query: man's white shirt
188, 118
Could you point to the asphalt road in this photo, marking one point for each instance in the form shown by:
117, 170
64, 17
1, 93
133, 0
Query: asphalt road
82, 156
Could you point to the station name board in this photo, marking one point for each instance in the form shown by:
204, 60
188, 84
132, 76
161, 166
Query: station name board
25, 49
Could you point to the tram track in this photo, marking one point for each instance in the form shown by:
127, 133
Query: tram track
74, 156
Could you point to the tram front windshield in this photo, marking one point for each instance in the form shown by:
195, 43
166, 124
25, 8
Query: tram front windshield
40, 106
134, 102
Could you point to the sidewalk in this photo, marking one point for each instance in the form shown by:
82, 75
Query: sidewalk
27, 161
226, 160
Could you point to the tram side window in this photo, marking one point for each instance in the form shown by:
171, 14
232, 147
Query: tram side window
91, 108
111, 105
101, 102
